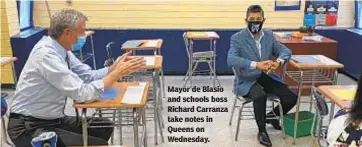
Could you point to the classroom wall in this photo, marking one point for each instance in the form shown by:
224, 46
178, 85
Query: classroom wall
9, 27
180, 14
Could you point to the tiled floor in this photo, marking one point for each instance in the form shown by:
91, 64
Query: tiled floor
219, 132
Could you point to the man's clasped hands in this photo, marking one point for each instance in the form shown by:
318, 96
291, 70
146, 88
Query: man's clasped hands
268, 66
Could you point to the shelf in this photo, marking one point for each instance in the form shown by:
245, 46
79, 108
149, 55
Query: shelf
310, 77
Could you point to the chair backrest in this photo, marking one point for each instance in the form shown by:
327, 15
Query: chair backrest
186, 41
320, 104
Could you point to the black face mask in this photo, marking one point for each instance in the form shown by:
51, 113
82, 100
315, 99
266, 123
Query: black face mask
255, 26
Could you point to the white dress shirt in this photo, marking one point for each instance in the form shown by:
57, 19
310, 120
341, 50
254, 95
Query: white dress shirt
46, 81
258, 46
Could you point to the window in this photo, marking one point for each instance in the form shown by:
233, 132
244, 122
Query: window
25, 14
359, 14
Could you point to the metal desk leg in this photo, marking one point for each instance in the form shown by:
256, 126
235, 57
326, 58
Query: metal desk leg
84, 127
300, 89
135, 128
144, 127
94, 56
331, 114
214, 62
155, 105
159, 99
14, 75
120, 127
191, 61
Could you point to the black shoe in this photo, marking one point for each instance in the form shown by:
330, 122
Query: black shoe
264, 139
274, 123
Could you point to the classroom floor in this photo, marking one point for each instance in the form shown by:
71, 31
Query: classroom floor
219, 132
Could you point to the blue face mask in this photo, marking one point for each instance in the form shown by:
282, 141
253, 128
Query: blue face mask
79, 44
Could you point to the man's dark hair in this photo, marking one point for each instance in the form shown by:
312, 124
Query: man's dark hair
255, 9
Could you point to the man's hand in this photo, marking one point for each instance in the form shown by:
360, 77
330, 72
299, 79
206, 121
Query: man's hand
273, 66
264, 65
127, 66
124, 57
124, 67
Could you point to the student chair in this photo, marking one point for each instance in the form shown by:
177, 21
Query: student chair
322, 111
249, 113
198, 57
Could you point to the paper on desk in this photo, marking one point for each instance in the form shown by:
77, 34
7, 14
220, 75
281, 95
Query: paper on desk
283, 34
150, 61
326, 60
344, 94
4, 59
211, 34
151, 43
313, 38
134, 94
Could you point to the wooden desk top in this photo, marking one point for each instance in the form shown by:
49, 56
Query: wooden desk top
88, 33
327, 91
7, 60
325, 63
143, 45
158, 62
202, 35
116, 103
299, 40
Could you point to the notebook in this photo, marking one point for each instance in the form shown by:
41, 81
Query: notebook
151, 43
110, 94
211, 34
306, 59
134, 94
132, 43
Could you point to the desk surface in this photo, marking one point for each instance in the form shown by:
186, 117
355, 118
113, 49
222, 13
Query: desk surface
116, 103
158, 62
325, 63
144, 45
327, 91
299, 40
7, 60
88, 33
202, 35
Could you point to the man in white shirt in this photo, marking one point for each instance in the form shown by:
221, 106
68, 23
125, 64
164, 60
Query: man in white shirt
51, 75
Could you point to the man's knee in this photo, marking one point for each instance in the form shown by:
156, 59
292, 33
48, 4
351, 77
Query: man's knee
259, 96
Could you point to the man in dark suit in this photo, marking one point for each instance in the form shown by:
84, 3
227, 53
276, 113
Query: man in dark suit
251, 50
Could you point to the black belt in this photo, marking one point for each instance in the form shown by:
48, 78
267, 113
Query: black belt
30, 118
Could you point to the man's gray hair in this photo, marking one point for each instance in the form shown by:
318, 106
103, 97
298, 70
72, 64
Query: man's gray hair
63, 19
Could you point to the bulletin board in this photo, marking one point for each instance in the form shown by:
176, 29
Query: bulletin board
321, 13
285, 5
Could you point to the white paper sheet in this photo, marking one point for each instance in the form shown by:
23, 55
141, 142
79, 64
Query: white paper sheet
151, 43
150, 61
326, 60
211, 34
134, 94
4, 59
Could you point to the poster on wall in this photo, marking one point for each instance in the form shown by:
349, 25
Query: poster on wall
321, 13
285, 5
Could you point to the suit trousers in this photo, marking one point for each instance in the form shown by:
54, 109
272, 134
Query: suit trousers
258, 93
22, 129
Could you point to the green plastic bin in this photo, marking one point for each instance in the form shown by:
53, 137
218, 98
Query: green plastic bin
305, 123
